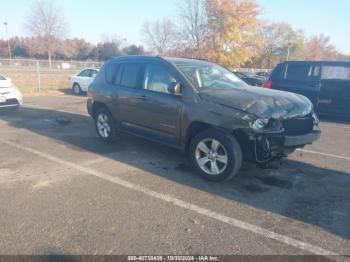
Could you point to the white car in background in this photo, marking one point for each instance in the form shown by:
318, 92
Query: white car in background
10, 97
81, 81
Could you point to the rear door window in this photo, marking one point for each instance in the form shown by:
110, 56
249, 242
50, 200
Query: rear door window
298, 71
130, 76
336, 72
85, 73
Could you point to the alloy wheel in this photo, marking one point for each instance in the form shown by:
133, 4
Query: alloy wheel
103, 126
211, 157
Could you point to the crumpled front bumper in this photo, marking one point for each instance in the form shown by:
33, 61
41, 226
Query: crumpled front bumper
269, 146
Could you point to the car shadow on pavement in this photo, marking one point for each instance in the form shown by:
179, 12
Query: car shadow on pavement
69, 92
313, 195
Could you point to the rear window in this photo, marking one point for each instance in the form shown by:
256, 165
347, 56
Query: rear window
298, 71
130, 75
85, 73
336, 72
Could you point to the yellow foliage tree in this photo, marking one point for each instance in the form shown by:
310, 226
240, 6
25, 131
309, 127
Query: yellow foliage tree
231, 26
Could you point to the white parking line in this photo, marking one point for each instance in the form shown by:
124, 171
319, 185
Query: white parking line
180, 203
99, 159
323, 154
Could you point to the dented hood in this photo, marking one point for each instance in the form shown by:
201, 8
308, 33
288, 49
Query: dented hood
263, 103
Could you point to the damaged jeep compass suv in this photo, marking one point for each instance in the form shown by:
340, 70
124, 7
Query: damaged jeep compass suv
201, 108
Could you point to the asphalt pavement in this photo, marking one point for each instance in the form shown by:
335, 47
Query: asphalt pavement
63, 191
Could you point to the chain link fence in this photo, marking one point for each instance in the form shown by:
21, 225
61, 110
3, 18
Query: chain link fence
37, 76
33, 76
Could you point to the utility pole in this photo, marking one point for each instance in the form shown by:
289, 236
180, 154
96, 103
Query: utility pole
288, 51
8, 41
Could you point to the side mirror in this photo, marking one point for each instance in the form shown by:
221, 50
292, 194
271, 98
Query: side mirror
174, 89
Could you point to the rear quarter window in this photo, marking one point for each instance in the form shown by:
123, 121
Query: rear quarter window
335, 72
298, 71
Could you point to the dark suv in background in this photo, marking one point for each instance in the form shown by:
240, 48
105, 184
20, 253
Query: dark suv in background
325, 83
200, 108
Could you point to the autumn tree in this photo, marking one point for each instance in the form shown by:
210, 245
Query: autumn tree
231, 26
34, 47
46, 22
319, 47
105, 50
74, 49
18, 47
160, 35
133, 50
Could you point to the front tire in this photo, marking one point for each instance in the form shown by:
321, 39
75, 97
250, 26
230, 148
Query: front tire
216, 156
76, 89
105, 125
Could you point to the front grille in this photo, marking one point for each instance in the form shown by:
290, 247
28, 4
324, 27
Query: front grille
298, 126
10, 102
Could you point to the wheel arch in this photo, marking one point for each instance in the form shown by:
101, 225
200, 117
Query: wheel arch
240, 135
76, 83
96, 106
197, 127
245, 143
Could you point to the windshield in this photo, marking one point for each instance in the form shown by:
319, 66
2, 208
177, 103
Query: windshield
206, 76
2, 78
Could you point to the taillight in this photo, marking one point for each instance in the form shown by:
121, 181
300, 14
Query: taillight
268, 84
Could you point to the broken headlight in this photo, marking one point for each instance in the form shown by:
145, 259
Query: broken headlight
267, 125
259, 124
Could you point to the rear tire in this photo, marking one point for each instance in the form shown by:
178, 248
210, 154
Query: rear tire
217, 156
105, 125
76, 89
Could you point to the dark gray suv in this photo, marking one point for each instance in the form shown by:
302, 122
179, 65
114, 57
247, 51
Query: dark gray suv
200, 108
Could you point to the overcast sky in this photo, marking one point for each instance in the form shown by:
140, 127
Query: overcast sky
94, 19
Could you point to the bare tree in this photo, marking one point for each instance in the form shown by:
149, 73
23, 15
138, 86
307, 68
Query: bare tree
193, 18
160, 35
46, 21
